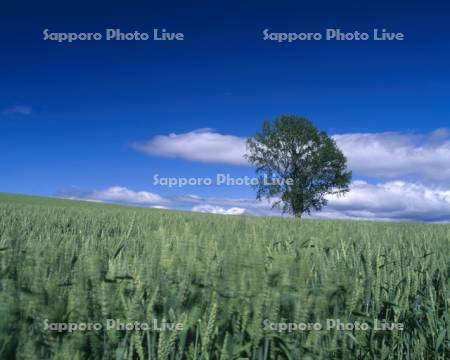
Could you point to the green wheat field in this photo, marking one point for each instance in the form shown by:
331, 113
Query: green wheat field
231, 282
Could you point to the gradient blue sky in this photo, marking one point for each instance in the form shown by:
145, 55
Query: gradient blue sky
68, 112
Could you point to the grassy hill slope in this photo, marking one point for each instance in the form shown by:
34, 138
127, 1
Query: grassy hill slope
232, 282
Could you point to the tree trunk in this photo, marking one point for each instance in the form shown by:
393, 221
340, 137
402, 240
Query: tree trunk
297, 206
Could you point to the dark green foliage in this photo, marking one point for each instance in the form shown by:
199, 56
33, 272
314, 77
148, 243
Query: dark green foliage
291, 149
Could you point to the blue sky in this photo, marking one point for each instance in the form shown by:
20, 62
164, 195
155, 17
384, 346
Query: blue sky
70, 112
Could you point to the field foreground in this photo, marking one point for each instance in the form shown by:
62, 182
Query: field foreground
216, 287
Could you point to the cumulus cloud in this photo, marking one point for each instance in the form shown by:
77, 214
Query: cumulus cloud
122, 194
250, 206
217, 205
393, 155
393, 200
422, 161
202, 145
218, 210
116, 194
389, 155
19, 109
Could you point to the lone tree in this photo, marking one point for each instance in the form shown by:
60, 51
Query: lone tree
297, 164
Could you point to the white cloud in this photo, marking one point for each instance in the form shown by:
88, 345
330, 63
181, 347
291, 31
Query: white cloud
202, 145
218, 210
19, 109
393, 155
394, 200
123, 195
389, 155
118, 195
251, 206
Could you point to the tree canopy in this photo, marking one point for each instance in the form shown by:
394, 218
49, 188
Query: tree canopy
297, 165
